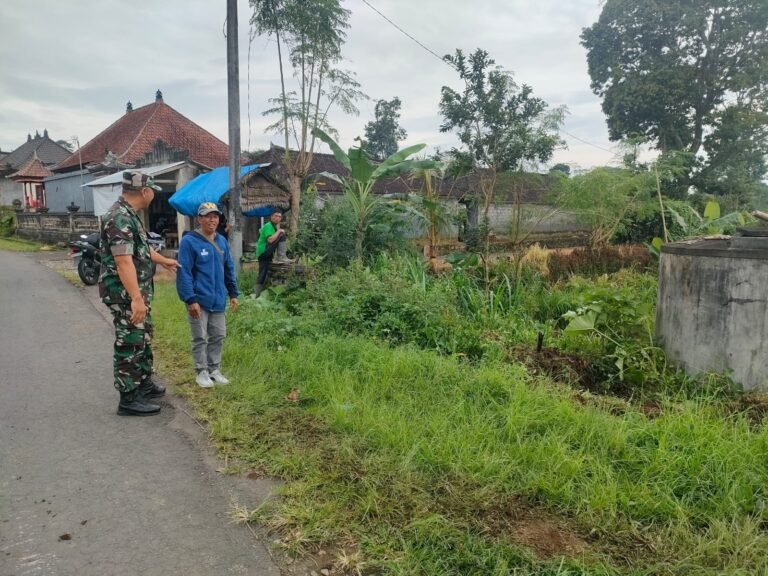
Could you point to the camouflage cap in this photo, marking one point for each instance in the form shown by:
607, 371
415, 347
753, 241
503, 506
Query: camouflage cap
207, 208
137, 180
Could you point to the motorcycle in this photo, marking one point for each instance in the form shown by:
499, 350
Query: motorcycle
87, 253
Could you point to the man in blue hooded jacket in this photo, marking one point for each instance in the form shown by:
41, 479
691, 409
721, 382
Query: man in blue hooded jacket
207, 281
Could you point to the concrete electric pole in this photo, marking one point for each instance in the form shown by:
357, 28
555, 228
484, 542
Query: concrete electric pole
233, 90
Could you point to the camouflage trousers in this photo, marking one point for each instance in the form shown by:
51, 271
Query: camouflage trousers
132, 358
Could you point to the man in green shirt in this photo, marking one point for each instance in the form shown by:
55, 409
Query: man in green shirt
271, 240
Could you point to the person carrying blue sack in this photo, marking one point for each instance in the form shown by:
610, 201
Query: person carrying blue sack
205, 281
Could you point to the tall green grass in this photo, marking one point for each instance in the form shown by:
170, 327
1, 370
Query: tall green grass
419, 459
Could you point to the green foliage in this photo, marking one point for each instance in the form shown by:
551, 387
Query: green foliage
603, 197
420, 463
336, 229
621, 322
687, 76
15, 244
310, 233
368, 209
389, 307
328, 232
501, 125
7, 221
309, 35
642, 222
384, 132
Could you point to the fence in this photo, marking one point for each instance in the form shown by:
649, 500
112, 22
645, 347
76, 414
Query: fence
55, 227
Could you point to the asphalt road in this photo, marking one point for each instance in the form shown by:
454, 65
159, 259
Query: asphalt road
84, 491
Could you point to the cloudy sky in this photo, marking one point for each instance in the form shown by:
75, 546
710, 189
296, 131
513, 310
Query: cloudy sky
70, 67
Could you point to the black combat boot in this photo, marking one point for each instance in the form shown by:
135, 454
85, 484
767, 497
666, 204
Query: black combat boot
151, 389
133, 404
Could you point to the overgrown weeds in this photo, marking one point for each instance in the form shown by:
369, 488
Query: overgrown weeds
421, 445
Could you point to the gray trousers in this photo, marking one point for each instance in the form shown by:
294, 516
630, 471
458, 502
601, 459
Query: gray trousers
208, 333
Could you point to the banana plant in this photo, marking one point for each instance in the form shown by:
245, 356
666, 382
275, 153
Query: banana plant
358, 186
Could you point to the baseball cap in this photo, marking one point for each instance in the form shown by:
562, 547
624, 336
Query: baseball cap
138, 180
207, 208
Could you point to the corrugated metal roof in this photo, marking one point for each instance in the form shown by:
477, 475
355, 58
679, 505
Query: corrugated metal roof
117, 177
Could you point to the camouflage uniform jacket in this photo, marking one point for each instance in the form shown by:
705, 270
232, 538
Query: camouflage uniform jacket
123, 233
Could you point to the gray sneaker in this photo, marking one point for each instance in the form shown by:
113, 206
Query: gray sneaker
218, 377
203, 379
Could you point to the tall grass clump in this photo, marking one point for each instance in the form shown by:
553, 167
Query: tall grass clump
427, 463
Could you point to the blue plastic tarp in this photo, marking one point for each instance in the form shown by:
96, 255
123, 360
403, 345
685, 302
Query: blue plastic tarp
208, 187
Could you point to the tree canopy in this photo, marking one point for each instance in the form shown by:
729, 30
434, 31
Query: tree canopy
502, 125
687, 76
384, 132
309, 35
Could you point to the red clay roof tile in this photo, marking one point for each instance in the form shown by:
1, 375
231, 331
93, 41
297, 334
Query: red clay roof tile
135, 133
33, 168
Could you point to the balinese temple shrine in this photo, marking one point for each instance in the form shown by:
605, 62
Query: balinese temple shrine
31, 176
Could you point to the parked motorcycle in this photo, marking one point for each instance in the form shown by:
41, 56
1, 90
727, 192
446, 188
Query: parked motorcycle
87, 252
155, 241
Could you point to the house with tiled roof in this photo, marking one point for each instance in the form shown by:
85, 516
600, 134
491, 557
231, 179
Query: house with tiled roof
133, 140
47, 151
154, 136
520, 198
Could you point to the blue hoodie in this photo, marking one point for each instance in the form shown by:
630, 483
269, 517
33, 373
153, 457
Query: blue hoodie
205, 276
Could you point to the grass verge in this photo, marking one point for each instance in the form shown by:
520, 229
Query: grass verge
409, 462
19, 245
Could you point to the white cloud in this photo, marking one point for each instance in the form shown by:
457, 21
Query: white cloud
71, 67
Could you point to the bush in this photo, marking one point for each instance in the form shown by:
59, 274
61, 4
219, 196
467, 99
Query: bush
329, 231
389, 307
7, 221
592, 262
643, 222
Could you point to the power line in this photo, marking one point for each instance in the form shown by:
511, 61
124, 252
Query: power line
588, 143
433, 53
408, 35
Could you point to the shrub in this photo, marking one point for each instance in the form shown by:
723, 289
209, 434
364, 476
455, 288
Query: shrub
389, 306
7, 221
329, 231
643, 222
597, 261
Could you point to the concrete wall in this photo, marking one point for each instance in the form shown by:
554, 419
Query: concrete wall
62, 189
712, 312
536, 224
9, 191
55, 227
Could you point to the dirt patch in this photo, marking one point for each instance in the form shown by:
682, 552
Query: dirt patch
572, 369
753, 406
546, 535
585, 376
548, 539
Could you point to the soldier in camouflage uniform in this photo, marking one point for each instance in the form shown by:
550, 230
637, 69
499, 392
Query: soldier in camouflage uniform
125, 286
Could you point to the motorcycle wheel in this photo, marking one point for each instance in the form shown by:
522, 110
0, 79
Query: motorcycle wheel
88, 271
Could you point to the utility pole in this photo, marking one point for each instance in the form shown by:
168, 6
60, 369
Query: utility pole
233, 90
